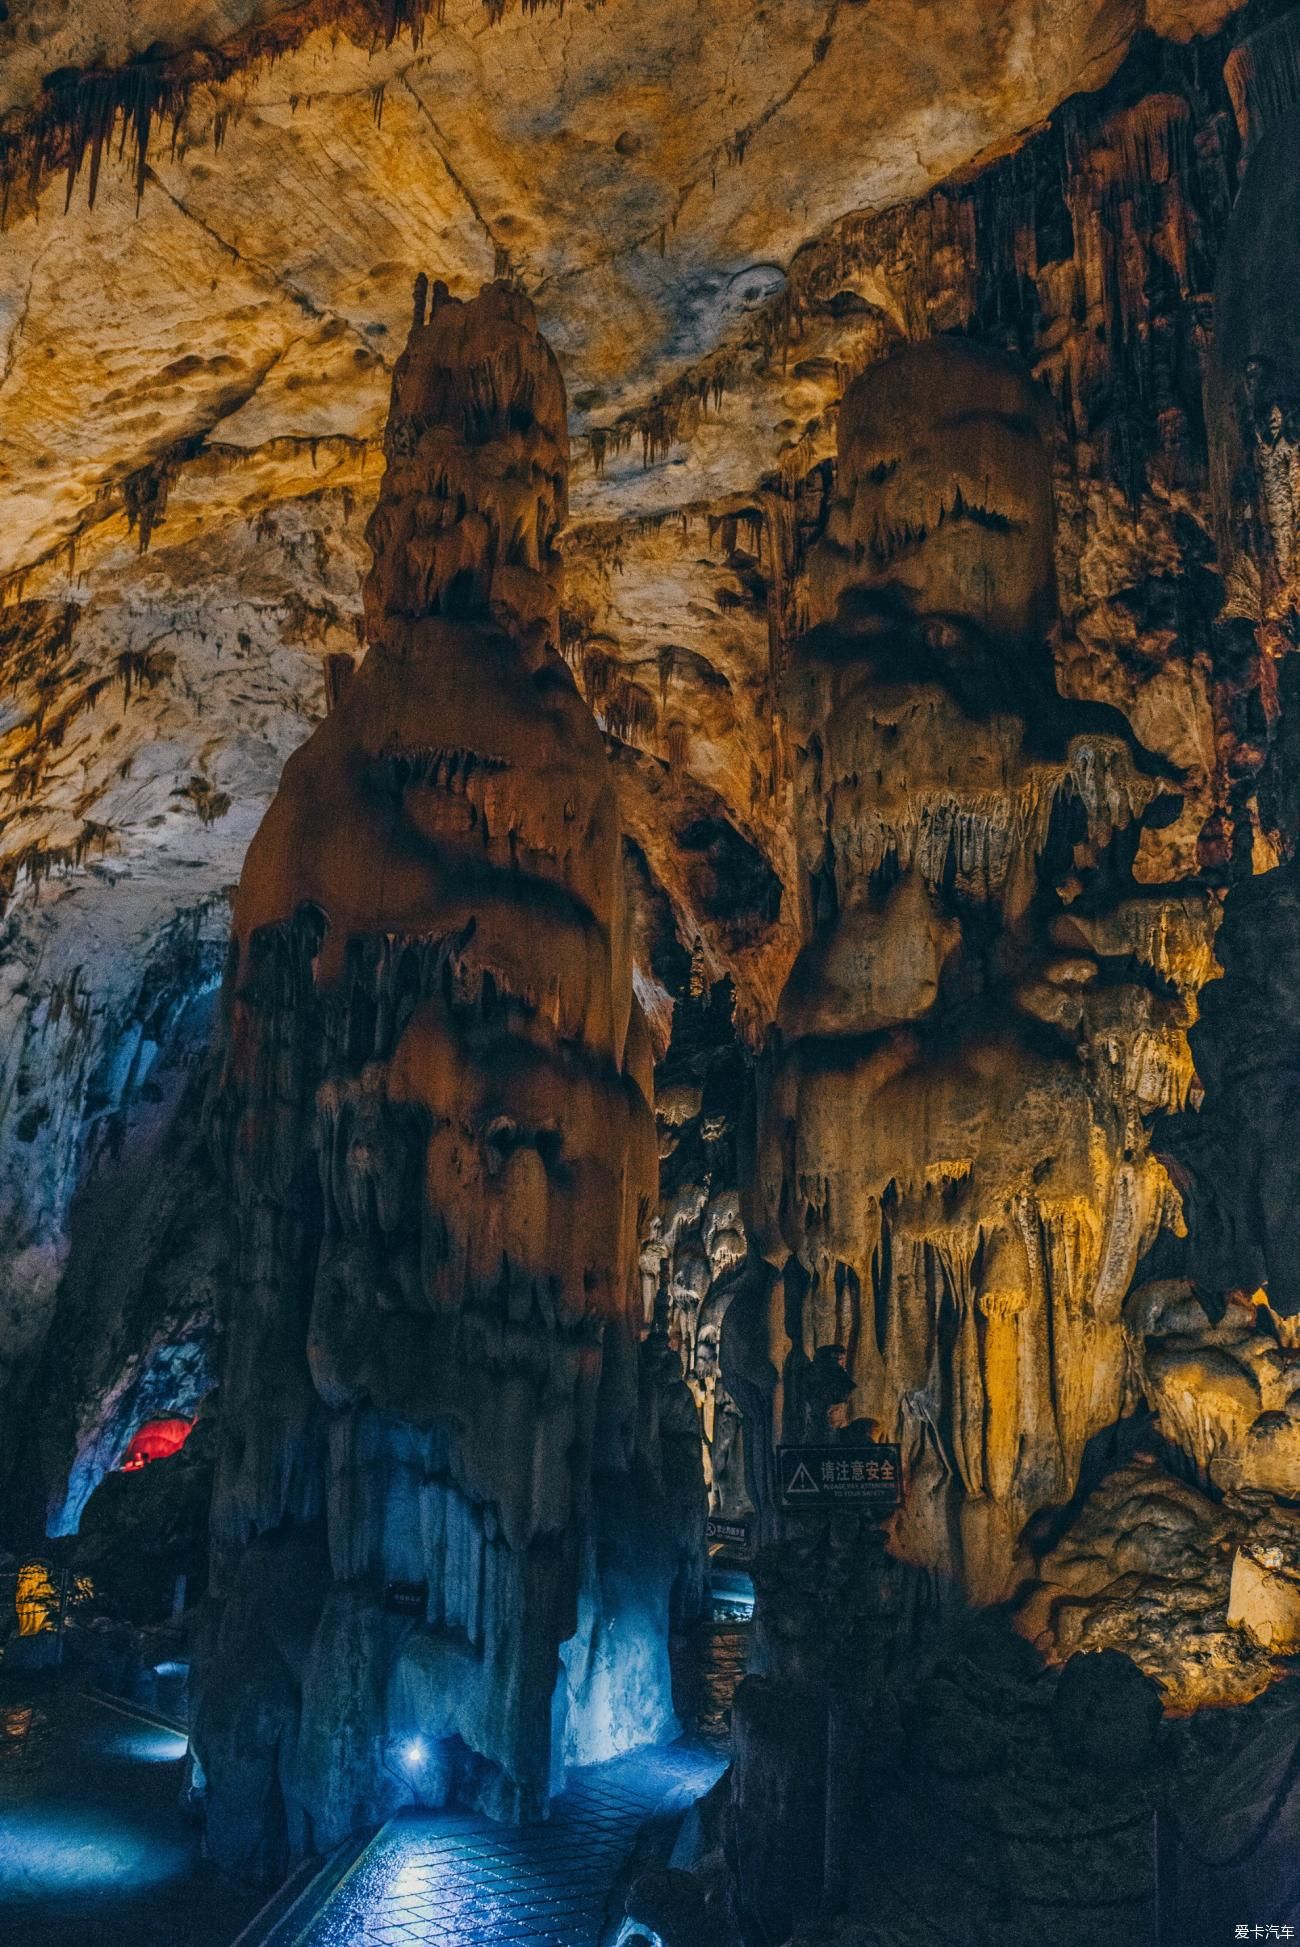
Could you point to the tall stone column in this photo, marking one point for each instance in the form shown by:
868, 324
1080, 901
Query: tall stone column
954, 1170
442, 1557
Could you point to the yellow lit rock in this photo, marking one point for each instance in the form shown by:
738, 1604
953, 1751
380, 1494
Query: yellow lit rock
1264, 1599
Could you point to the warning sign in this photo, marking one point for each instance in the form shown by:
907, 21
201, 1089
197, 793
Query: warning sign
406, 1598
815, 1478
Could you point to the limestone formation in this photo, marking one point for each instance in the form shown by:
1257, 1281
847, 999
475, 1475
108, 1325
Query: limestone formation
1149, 1566
709, 306
885, 728
433, 1108
1228, 1393
697, 1255
952, 1174
1253, 385
1236, 1159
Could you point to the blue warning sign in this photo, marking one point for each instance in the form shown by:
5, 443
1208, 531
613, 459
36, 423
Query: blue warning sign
816, 1478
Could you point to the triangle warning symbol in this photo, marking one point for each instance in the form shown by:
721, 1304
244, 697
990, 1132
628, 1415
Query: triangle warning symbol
801, 1481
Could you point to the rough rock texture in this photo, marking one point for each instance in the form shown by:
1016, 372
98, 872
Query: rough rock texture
433, 1104
1146, 1568
141, 1530
1236, 1159
951, 1145
112, 1231
1225, 1393
696, 1256
571, 144
206, 376
939, 798
954, 1788
175, 708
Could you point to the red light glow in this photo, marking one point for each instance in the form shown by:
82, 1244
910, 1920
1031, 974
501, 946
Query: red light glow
154, 1441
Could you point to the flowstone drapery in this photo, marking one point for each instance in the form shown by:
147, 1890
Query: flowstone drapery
434, 1111
1219, 1352
954, 1170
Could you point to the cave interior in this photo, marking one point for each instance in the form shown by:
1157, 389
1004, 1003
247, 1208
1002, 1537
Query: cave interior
650, 959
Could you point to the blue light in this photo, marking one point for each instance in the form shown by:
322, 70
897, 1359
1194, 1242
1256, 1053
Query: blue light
145, 1744
413, 1753
52, 1851
731, 1594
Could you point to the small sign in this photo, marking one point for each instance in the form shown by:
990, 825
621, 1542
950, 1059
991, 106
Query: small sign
406, 1598
815, 1478
717, 1529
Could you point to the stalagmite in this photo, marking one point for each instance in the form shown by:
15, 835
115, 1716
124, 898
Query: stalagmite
956, 1187
444, 1522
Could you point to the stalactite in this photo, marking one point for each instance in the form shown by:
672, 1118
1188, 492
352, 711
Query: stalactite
145, 491
496, 10
628, 711
958, 1200
53, 690
1262, 76
35, 637
83, 112
672, 415
142, 669
1147, 163
339, 671
36, 863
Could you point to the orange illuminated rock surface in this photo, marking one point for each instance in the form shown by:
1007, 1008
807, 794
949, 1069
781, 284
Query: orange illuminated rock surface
434, 1105
961, 1193
747, 761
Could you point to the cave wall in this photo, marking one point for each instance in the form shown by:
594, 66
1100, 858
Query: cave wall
108, 1268
232, 427
1162, 1525
1104, 287
172, 699
987, 865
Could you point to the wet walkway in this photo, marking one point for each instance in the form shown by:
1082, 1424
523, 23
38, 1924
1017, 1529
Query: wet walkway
453, 1879
94, 1846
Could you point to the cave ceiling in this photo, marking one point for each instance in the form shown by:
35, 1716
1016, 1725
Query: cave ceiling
199, 358
213, 217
